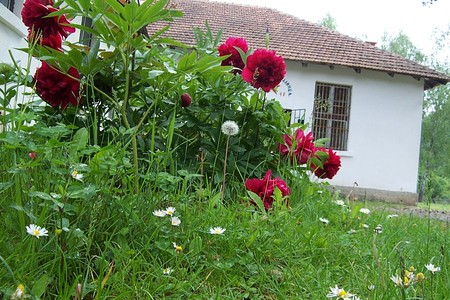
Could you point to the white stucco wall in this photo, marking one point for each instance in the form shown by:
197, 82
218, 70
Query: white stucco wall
385, 123
12, 34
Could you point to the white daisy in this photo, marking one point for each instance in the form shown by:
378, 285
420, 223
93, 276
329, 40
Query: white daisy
216, 230
167, 271
36, 231
324, 221
364, 211
378, 229
170, 210
76, 175
340, 202
230, 128
365, 226
392, 216
19, 293
339, 293
397, 280
175, 221
178, 248
430, 267
160, 213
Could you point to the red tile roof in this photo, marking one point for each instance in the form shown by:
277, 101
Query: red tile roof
293, 38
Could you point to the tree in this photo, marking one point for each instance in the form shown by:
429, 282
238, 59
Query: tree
329, 22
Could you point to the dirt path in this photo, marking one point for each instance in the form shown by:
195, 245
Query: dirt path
421, 212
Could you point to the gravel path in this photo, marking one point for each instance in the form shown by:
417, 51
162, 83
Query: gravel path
421, 212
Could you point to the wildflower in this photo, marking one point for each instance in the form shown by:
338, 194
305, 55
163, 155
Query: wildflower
351, 231
264, 69
36, 231
32, 155
420, 276
159, 213
175, 221
230, 48
340, 202
178, 248
58, 231
323, 220
392, 216
330, 167
77, 176
397, 280
230, 128
364, 211
265, 187
167, 271
339, 293
430, 267
371, 287
170, 210
19, 293
378, 229
216, 230
186, 100
365, 226
299, 146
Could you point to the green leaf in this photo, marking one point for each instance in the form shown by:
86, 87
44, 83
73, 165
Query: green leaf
40, 286
257, 200
196, 245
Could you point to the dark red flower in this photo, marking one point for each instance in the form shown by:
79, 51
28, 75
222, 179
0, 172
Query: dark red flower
330, 167
52, 41
264, 69
186, 100
229, 47
300, 146
34, 14
57, 88
265, 187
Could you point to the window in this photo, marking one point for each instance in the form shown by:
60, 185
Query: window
296, 116
8, 3
331, 114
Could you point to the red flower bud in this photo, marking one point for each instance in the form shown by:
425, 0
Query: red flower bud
32, 155
186, 100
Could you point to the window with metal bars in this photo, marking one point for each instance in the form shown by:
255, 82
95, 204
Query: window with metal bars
331, 114
8, 3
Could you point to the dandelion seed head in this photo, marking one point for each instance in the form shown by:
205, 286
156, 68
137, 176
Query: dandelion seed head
230, 128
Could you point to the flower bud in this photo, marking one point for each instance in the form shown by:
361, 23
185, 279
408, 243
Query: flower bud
32, 155
186, 100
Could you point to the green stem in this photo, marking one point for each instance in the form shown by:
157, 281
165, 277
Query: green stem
225, 169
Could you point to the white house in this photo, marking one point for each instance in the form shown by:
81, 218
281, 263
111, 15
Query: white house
12, 31
367, 101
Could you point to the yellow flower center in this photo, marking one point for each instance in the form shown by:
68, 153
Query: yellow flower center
36, 232
342, 294
178, 248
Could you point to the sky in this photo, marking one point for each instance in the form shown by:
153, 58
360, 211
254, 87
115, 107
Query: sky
369, 19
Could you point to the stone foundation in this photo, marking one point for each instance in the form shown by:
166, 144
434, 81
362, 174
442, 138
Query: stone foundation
404, 198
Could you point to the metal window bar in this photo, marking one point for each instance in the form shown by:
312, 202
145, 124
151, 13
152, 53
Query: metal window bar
331, 114
296, 116
8, 3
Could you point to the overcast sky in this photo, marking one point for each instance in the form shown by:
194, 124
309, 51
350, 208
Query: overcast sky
369, 19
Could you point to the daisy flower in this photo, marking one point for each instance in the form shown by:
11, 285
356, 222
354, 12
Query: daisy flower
19, 293
175, 221
364, 211
170, 210
392, 216
167, 271
365, 226
378, 229
430, 267
216, 230
178, 248
340, 202
230, 128
339, 293
160, 213
324, 221
77, 176
397, 280
36, 231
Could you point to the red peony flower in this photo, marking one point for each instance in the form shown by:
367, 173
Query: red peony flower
265, 187
186, 100
34, 14
264, 69
52, 41
229, 47
300, 146
56, 88
330, 167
